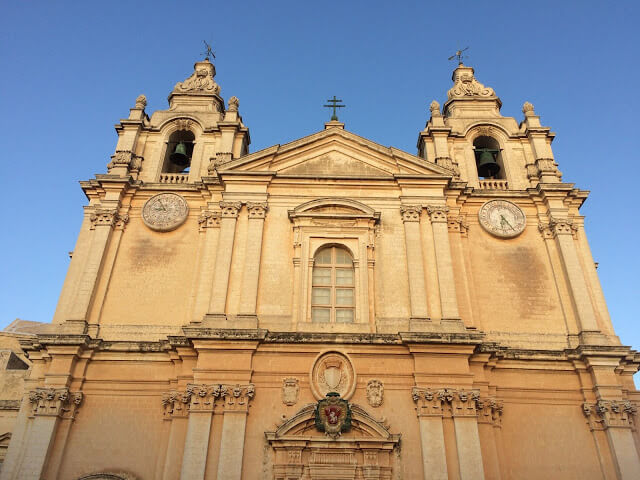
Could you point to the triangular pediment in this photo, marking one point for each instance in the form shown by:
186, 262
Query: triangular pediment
334, 152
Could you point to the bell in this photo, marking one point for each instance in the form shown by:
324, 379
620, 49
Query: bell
179, 155
487, 165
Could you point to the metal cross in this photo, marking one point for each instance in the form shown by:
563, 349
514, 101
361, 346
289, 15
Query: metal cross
334, 104
459, 55
208, 51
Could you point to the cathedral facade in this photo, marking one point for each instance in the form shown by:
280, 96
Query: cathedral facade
329, 308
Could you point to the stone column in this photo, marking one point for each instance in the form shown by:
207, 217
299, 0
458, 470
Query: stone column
229, 214
563, 232
102, 223
196, 445
429, 409
615, 418
489, 423
48, 405
209, 225
236, 408
415, 262
465, 422
176, 411
251, 272
444, 264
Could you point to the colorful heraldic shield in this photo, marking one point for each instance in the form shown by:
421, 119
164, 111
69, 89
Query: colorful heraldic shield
333, 415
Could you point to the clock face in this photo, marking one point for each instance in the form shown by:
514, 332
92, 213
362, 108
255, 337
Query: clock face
502, 219
165, 212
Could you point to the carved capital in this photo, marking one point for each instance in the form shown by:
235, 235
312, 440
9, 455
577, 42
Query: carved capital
124, 159
54, 402
410, 213
464, 403
208, 219
202, 397
176, 404
437, 213
230, 209
257, 209
108, 217
237, 397
606, 414
490, 411
458, 224
557, 227
532, 172
428, 402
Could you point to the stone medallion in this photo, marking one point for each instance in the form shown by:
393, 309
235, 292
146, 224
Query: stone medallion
333, 372
165, 212
502, 218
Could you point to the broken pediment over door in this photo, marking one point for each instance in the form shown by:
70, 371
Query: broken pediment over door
301, 452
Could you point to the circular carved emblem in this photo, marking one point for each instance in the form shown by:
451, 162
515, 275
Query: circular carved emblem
502, 218
165, 212
333, 372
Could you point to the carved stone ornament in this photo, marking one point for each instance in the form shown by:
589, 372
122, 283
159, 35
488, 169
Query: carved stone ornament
502, 218
124, 158
54, 402
141, 102
437, 213
557, 227
457, 403
201, 81
434, 108
208, 219
466, 85
410, 213
257, 209
234, 103
527, 109
230, 209
333, 415
204, 397
606, 414
165, 212
183, 124
332, 372
290, 390
375, 392
107, 217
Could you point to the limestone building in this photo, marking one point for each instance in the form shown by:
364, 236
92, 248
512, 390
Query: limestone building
329, 308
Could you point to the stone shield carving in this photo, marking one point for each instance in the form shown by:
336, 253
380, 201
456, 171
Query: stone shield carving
375, 392
332, 372
290, 390
333, 415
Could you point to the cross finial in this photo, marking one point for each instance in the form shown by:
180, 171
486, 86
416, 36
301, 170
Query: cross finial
208, 51
334, 104
459, 55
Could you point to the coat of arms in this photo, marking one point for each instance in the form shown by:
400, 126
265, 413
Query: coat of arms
333, 415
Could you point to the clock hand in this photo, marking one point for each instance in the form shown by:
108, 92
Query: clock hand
162, 204
504, 220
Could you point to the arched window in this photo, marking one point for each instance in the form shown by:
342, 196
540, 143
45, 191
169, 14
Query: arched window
177, 158
488, 158
333, 292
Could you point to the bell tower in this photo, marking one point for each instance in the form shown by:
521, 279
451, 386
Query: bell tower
483, 148
187, 141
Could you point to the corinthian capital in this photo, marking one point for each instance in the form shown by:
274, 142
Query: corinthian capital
230, 209
437, 213
54, 402
606, 414
237, 397
410, 213
107, 217
208, 219
257, 209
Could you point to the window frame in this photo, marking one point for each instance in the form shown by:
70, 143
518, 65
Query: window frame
334, 306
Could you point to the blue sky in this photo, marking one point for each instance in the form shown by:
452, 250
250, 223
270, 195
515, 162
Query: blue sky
73, 69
